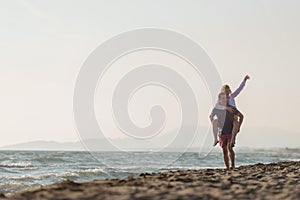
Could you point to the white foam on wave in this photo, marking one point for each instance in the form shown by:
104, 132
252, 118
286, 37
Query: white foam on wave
76, 173
16, 165
11, 187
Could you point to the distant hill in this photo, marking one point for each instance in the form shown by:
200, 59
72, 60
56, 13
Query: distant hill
44, 145
248, 137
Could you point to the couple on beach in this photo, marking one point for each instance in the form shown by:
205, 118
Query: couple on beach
226, 120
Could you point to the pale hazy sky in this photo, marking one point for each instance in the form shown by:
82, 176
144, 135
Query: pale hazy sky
44, 43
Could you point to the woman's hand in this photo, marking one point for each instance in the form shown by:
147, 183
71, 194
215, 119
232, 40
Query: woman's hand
229, 109
247, 77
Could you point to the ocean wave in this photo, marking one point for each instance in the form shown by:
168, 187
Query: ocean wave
22, 178
66, 175
11, 187
290, 159
83, 173
172, 168
152, 168
47, 159
16, 165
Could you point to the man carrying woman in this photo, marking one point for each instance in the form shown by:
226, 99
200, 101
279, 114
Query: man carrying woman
228, 121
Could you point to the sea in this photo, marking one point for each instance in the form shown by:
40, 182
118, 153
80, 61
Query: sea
27, 170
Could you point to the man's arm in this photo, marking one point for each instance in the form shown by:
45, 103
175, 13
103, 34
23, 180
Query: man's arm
241, 87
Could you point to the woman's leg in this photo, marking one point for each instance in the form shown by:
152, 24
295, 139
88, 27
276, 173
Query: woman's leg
241, 119
235, 131
236, 128
215, 131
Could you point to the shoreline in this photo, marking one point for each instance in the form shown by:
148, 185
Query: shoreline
258, 181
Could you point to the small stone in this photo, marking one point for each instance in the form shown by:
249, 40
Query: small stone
186, 180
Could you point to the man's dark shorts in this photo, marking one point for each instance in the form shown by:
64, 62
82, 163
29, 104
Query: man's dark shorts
224, 140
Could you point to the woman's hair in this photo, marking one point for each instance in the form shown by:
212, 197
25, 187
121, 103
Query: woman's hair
224, 87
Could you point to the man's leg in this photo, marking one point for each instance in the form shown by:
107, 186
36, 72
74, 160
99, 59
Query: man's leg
232, 156
215, 131
225, 156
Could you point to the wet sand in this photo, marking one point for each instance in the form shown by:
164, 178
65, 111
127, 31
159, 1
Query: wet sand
260, 181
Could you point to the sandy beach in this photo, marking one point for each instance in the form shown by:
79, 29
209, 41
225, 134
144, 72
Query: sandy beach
260, 181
